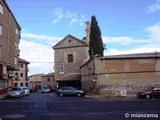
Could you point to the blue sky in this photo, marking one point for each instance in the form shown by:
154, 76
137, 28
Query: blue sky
127, 26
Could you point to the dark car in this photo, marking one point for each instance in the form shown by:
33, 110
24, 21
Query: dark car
16, 92
46, 89
153, 93
70, 91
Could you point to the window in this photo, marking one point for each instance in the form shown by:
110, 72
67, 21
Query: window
21, 74
16, 45
1, 9
15, 84
21, 65
70, 69
0, 29
21, 84
70, 58
26, 84
16, 75
16, 31
70, 40
15, 60
48, 79
61, 68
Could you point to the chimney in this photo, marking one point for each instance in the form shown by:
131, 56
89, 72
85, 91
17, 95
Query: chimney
88, 25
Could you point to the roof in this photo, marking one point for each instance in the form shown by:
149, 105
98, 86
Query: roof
57, 45
70, 77
49, 75
133, 56
23, 61
36, 75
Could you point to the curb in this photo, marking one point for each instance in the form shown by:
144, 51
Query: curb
116, 97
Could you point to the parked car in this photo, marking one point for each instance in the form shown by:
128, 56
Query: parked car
26, 90
46, 89
153, 93
16, 92
70, 91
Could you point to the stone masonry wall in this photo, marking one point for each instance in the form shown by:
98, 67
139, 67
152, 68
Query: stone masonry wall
129, 74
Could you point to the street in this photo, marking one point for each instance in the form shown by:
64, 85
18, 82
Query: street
49, 106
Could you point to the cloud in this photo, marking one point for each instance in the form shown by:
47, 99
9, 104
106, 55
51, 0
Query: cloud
150, 44
153, 8
59, 14
153, 35
124, 40
41, 38
154, 32
140, 49
37, 49
41, 57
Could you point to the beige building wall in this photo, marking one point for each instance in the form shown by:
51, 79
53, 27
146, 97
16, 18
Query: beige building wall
21, 76
48, 80
35, 82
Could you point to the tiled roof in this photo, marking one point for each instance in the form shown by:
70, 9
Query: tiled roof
36, 75
70, 77
49, 75
133, 56
23, 61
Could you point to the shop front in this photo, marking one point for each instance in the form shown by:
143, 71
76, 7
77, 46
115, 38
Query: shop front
3, 80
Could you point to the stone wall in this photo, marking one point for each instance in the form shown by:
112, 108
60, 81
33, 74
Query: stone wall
117, 74
69, 45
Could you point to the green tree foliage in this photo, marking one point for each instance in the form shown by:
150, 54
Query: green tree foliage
96, 43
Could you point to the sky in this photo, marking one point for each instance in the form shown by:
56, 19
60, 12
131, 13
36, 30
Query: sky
127, 26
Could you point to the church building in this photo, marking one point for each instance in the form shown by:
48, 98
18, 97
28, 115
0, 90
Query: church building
69, 54
129, 72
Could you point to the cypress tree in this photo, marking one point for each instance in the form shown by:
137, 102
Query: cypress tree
96, 43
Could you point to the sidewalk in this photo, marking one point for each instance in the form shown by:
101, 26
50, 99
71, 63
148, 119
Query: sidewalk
2, 96
103, 97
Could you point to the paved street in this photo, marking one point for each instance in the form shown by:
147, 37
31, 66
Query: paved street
48, 106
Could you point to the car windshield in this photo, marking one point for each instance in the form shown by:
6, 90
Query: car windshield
72, 88
156, 89
149, 88
16, 89
45, 87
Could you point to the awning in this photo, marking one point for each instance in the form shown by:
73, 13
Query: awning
70, 77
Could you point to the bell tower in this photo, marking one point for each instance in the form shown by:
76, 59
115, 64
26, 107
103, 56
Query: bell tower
88, 25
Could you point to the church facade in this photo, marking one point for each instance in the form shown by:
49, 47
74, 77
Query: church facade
69, 54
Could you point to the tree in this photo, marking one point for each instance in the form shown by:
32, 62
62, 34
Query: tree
96, 43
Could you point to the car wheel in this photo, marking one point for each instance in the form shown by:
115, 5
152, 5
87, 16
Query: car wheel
61, 94
148, 96
79, 94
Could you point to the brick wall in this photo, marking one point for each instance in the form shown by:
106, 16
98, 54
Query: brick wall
117, 74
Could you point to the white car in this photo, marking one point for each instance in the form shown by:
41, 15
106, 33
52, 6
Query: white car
26, 90
16, 92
